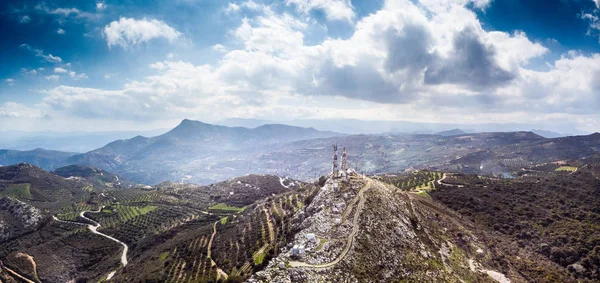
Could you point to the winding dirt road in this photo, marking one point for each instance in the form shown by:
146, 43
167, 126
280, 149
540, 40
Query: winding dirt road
220, 272
349, 240
94, 229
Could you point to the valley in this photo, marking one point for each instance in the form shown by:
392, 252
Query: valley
487, 207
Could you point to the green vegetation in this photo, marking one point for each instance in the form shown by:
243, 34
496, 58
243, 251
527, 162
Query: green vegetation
224, 220
17, 191
566, 168
225, 207
421, 180
259, 258
552, 214
321, 244
163, 256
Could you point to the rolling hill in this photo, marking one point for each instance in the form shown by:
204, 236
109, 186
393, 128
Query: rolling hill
46, 159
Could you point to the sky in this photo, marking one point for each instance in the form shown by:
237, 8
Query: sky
123, 65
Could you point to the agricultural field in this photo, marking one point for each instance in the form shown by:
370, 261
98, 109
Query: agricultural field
417, 181
567, 168
19, 191
226, 243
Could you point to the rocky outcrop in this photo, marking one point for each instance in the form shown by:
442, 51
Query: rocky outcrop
367, 231
17, 217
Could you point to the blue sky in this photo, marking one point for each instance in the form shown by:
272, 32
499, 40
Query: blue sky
119, 65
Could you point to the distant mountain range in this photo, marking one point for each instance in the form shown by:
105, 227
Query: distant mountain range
65, 141
354, 126
543, 133
47, 159
191, 143
196, 152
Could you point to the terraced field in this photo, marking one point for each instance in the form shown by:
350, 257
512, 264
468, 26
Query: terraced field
420, 182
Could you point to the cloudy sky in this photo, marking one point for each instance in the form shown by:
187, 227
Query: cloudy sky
119, 65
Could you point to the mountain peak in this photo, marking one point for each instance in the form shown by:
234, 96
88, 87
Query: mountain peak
188, 122
453, 132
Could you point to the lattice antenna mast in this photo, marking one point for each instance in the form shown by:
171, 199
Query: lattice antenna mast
344, 160
335, 161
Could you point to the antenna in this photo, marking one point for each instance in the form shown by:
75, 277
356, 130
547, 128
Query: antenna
335, 161
344, 160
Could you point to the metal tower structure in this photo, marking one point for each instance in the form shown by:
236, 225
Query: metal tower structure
344, 161
335, 161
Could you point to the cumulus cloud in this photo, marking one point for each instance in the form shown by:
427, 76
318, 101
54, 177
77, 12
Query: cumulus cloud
40, 53
333, 9
59, 70
219, 48
233, 8
426, 60
127, 32
472, 63
100, 6
77, 76
60, 31
10, 81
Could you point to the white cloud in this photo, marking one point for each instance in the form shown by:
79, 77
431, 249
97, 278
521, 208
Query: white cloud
271, 33
219, 48
65, 12
100, 6
428, 61
60, 31
594, 21
25, 19
17, 110
129, 32
77, 76
10, 81
59, 70
597, 3
29, 72
232, 8
110, 75
40, 53
53, 77
334, 9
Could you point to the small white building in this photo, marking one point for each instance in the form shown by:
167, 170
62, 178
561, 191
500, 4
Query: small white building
298, 250
310, 237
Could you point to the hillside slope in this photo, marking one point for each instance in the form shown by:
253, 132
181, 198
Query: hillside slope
371, 232
556, 214
56, 229
46, 159
191, 144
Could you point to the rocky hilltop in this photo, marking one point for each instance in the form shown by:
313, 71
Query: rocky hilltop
368, 231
